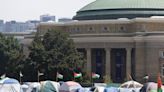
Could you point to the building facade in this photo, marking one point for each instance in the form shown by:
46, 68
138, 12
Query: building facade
118, 48
119, 38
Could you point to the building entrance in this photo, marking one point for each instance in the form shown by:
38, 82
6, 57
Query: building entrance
98, 59
118, 60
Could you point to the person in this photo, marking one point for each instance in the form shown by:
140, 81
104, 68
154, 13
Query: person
146, 78
143, 89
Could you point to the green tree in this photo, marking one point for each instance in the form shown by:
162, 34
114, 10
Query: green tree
35, 61
54, 52
37, 54
61, 50
11, 55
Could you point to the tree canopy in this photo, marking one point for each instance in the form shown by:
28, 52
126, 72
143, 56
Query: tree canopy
11, 55
53, 52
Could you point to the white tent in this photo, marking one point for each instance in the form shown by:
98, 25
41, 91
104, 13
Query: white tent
130, 86
24, 87
100, 89
9, 85
69, 86
31, 87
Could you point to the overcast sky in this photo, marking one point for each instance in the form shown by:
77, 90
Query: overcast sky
23, 10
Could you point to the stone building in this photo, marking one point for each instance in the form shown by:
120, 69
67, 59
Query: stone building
119, 37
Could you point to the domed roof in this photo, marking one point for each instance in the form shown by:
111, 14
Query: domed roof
100, 9
117, 4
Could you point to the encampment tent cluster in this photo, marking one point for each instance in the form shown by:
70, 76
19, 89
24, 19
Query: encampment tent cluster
12, 85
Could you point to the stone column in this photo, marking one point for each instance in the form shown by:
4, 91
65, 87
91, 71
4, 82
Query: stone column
89, 64
128, 62
108, 63
140, 58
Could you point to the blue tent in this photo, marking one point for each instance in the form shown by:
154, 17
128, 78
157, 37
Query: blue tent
9, 85
111, 89
9, 81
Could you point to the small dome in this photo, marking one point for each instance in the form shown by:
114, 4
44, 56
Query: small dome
111, 9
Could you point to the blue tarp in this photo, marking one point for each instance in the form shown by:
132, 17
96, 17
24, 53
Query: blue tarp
111, 89
11, 81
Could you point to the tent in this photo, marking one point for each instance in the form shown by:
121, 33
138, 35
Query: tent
130, 86
31, 87
150, 87
69, 86
24, 87
111, 89
96, 89
100, 89
9, 85
92, 89
49, 86
83, 90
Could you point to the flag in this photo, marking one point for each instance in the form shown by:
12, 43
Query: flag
3, 76
20, 74
39, 74
95, 76
77, 75
60, 76
146, 77
159, 83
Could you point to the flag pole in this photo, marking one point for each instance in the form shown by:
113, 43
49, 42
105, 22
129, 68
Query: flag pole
57, 73
20, 77
91, 79
57, 76
20, 80
130, 77
38, 76
159, 83
73, 76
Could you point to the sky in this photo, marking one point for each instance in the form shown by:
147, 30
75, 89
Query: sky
23, 10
